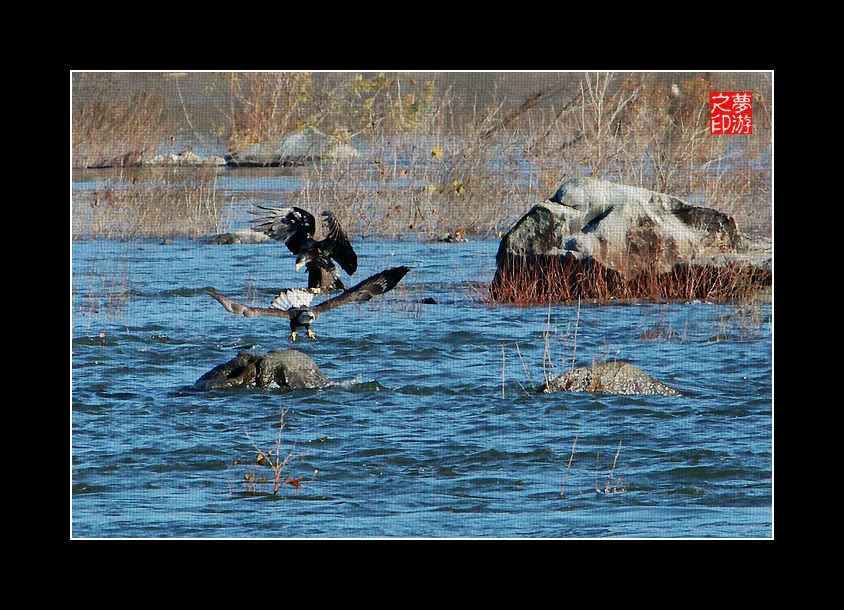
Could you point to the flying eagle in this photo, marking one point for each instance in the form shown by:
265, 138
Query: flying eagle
295, 303
296, 227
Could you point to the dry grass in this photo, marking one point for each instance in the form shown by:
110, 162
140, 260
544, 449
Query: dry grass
161, 202
662, 330
426, 186
743, 323
568, 467
103, 290
612, 485
435, 160
113, 132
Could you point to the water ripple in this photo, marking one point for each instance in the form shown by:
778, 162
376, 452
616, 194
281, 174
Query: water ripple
413, 437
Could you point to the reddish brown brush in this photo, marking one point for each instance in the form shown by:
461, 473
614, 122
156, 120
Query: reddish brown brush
551, 279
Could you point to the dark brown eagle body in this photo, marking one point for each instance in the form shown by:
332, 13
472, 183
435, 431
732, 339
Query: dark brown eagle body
296, 228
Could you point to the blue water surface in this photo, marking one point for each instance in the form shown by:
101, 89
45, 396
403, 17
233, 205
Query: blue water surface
432, 427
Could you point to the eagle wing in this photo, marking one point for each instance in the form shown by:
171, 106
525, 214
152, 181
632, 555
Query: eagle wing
293, 225
337, 244
240, 309
370, 287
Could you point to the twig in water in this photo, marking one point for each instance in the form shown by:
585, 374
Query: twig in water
524, 366
264, 458
614, 488
612, 470
546, 355
502, 371
524, 389
574, 345
568, 467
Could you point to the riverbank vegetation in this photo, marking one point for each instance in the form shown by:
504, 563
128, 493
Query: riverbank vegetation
438, 153
552, 279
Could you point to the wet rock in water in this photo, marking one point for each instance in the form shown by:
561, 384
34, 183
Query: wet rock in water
286, 368
459, 236
293, 149
624, 233
240, 236
608, 378
428, 301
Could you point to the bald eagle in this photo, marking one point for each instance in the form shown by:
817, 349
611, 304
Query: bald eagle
296, 227
294, 304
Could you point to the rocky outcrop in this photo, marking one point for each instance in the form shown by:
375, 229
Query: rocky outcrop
608, 378
138, 159
240, 236
625, 236
186, 158
127, 159
285, 368
294, 149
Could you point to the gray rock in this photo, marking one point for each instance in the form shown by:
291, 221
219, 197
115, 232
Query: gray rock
458, 236
608, 378
625, 230
240, 236
620, 225
185, 158
293, 149
286, 368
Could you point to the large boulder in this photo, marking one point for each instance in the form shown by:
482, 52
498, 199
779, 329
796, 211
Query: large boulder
608, 378
293, 149
285, 368
619, 233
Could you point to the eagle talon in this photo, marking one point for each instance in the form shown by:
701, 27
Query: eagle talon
311, 334
292, 337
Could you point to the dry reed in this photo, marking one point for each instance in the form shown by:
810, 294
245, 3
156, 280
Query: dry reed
162, 202
552, 279
432, 159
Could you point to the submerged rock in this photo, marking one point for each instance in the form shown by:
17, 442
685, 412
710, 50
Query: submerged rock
240, 236
458, 236
608, 378
293, 149
286, 368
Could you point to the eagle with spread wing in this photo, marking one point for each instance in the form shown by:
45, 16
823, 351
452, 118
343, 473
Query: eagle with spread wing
296, 228
294, 304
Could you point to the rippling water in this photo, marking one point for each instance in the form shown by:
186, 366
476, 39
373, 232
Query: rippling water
414, 438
